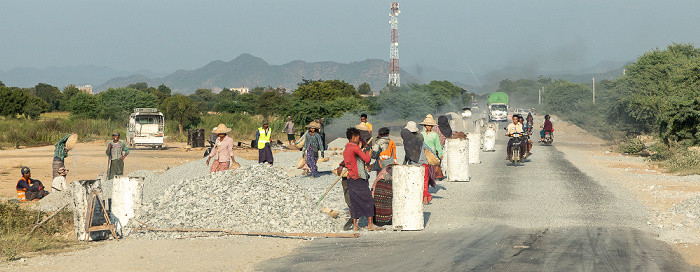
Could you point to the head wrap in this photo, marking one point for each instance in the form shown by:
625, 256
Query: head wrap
444, 126
412, 144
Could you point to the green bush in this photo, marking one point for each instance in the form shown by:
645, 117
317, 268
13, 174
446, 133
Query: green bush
632, 146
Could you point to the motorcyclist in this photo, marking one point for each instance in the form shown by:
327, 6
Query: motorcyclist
515, 127
527, 128
547, 127
529, 122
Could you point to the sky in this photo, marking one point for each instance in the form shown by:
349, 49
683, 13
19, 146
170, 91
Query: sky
457, 35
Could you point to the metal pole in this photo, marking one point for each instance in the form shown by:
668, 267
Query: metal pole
594, 91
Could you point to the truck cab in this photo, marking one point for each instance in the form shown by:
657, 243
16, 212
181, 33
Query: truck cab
146, 127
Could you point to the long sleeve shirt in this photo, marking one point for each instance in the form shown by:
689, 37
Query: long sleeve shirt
547, 126
288, 127
349, 157
432, 140
60, 150
314, 141
223, 150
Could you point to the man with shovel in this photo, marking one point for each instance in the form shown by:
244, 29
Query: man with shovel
116, 151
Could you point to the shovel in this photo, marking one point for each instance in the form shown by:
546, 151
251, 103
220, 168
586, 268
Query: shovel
329, 189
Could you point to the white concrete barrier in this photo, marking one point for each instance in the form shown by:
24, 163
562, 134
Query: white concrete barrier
407, 201
490, 136
457, 159
474, 147
126, 198
80, 192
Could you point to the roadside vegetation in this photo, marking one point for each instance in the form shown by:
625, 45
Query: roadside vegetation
658, 95
43, 114
16, 222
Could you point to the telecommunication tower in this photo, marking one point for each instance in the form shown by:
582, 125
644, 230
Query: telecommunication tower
394, 78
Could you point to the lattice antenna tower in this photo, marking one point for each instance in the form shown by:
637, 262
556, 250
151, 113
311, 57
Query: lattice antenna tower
394, 77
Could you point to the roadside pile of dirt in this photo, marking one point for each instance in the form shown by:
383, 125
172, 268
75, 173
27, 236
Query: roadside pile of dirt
690, 210
254, 198
54, 201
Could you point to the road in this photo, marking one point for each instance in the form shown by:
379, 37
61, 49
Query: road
546, 215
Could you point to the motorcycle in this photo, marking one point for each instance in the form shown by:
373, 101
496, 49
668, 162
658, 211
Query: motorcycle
516, 155
208, 150
547, 138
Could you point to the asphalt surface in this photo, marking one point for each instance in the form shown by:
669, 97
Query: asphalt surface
544, 215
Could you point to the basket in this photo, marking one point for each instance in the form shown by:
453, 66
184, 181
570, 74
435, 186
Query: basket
301, 143
72, 140
431, 158
342, 172
301, 162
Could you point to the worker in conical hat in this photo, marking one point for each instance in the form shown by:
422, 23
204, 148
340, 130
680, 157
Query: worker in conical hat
222, 151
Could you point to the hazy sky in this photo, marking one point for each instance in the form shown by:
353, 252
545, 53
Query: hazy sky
164, 36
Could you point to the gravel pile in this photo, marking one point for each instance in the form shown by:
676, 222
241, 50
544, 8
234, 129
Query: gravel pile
690, 209
54, 201
253, 198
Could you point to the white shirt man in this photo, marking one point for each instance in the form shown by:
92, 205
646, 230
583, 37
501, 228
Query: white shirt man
59, 182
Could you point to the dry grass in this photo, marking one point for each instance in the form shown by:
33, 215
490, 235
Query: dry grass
15, 223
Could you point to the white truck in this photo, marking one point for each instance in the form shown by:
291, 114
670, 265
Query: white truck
146, 128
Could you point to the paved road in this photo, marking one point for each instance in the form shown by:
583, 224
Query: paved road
546, 215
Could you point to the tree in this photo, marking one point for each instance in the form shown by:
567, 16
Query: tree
34, 107
141, 86
325, 90
659, 90
182, 109
364, 88
12, 100
83, 105
118, 104
269, 103
52, 95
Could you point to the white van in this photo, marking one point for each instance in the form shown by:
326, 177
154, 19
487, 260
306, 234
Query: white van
146, 128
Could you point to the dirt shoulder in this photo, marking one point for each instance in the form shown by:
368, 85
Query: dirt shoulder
656, 190
88, 161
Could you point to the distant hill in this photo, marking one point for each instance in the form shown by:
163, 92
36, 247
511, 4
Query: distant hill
63, 76
249, 71
604, 70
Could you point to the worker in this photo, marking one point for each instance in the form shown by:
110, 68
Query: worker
222, 152
365, 133
29, 189
383, 150
116, 151
363, 120
262, 137
60, 153
360, 195
59, 183
289, 129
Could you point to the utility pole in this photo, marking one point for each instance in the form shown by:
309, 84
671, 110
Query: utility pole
594, 91
539, 96
394, 78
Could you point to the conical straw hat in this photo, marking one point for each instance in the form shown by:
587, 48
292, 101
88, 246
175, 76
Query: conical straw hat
221, 128
429, 121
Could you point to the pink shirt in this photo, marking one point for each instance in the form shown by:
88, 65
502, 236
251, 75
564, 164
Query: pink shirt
223, 150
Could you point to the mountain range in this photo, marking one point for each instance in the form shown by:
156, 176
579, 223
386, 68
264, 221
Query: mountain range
249, 71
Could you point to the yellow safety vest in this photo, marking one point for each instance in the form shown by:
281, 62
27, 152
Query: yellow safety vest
264, 137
